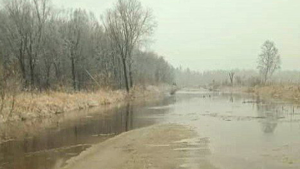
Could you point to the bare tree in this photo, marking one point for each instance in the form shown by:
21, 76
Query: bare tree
127, 24
14, 31
268, 60
231, 77
75, 39
39, 16
23, 31
54, 48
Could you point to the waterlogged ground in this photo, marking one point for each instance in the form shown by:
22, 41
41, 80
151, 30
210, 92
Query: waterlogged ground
230, 131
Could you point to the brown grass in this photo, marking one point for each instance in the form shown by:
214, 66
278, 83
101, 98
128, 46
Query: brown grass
47, 104
285, 91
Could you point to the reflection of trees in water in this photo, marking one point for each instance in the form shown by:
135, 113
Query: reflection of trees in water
136, 115
269, 126
129, 117
269, 114
96, 126
231, 98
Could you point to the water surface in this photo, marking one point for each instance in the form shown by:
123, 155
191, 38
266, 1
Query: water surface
242, 131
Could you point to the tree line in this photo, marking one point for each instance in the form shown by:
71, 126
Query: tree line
43, 47
268, 62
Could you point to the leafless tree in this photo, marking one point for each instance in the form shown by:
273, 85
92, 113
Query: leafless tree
23, 31
269, 60
231, 77
14, 30
127, 24
54, 48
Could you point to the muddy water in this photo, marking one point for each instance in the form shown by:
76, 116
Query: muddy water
68, 138
242, 131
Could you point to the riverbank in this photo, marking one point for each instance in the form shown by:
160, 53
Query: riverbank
156, 147
289, 93
285, 92
28, 106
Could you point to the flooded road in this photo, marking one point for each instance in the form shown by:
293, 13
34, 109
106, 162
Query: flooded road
241, 131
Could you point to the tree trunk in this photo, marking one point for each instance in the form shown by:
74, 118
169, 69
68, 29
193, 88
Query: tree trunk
31, 65
120, 76
48, 77
125, 74
73, 73
130, 75
22, 66
266, 77
57, 71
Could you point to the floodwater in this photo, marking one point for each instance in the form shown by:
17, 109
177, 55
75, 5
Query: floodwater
242, 131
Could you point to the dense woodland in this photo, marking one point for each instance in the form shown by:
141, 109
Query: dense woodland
43, 47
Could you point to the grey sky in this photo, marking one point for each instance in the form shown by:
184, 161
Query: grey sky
217, 34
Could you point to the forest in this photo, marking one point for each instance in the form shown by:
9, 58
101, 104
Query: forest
43, 47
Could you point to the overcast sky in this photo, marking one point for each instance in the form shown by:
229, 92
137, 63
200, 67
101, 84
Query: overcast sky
217, 34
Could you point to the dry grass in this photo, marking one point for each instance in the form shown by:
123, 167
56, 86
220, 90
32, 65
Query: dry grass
47, 104
285, 91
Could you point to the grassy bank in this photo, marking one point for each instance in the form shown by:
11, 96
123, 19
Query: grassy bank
286, 92
26, 106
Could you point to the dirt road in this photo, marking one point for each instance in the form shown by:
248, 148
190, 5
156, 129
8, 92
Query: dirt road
166, 146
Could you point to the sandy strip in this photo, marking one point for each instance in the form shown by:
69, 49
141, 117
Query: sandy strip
155, 147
